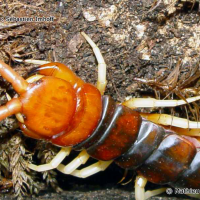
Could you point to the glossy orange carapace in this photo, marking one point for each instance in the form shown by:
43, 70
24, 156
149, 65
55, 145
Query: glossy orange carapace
59, 107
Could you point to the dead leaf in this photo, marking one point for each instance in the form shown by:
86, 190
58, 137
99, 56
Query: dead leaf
75, 43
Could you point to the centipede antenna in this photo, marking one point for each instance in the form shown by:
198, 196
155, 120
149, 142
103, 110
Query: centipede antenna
12, 107
18, 83
18, 115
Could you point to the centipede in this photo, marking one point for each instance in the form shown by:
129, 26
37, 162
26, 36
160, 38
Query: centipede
55, 105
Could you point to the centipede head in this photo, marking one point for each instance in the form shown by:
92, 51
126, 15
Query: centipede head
48, 106
54, 105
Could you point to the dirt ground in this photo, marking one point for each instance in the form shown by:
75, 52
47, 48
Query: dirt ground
152, 40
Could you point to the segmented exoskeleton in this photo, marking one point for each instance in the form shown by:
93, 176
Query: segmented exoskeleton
61, 108
158, 154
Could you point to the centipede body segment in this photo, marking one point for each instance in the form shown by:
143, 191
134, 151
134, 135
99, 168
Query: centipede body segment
76, 116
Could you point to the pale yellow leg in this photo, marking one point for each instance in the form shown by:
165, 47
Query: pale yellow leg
79, 160
151, 102
140, 193
151, 193
101, 83
169, 120
65, 151
164, 119
92, 169
32, 61
72, 166
140, 184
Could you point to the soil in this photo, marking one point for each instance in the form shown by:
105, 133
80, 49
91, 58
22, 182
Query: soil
138, 39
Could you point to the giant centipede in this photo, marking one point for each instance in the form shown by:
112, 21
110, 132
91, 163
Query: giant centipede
74, 114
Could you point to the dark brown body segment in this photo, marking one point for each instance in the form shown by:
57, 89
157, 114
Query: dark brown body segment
158, 154
172, 157
120, 132
191, 176
149, 137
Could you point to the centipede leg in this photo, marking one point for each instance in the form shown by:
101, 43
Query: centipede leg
73, 165
169, 120
33, 61
140, 184
102, 82
140, 193
151, 193
151, 102
54, 163
92, 169
164, 119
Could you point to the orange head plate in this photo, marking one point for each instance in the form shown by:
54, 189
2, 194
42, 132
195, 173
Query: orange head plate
59, 107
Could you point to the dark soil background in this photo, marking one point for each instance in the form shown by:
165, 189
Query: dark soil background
138, 39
